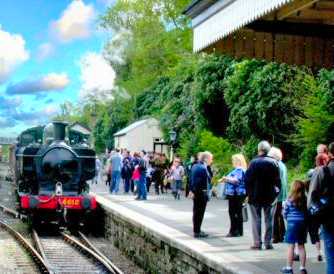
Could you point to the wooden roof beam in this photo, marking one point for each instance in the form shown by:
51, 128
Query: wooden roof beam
321, 15
325, 5
302, 29
293, 8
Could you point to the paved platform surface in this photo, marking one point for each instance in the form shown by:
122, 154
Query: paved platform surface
177, 215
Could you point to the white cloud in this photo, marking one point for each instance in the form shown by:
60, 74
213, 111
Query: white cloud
97, 76
44, 51
75, 22
12, 53
47, 83
115, 49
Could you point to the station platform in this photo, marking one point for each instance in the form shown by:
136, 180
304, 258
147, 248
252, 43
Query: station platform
172, 219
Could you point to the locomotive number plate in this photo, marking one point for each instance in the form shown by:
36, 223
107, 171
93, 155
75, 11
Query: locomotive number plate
71, 202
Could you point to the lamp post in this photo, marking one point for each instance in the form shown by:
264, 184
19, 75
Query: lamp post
172, 137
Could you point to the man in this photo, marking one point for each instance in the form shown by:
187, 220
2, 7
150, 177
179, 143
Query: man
98, 167
188, 169
126, 171
322, 187
263, 184
322, 156
199, 190
116, 167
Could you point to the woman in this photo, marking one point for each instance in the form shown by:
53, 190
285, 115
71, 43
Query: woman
235, 192
176, 174
279, 227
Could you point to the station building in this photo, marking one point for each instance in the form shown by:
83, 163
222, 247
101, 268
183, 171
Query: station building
142, 135
297, 32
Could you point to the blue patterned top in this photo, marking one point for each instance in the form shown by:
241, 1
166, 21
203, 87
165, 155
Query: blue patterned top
238, 188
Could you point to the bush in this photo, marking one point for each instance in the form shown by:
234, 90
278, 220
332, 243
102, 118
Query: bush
265, 101
317, 125
221, 149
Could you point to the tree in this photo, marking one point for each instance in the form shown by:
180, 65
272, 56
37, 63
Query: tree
158, 38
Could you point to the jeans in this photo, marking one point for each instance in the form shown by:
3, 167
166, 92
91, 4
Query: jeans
127, 185
142, 192
116, 178
177, 185
328, 236
256, 215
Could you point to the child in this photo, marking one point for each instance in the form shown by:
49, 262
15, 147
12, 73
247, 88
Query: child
295, 212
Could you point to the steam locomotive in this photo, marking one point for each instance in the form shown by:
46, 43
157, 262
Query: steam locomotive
52, 165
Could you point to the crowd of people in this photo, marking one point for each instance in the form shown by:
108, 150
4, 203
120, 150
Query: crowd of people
262, 185
139, 171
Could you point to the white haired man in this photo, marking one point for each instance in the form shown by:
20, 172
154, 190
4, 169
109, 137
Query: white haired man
263, 184
199, 190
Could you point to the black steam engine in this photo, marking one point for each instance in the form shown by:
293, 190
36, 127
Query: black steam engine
52, 167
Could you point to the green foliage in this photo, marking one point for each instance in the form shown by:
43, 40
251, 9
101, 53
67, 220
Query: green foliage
112, 118
157, 39
209, 92
265, 101
249, 149
317, 124
221, 149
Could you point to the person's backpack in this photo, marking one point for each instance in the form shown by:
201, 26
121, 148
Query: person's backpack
322, 202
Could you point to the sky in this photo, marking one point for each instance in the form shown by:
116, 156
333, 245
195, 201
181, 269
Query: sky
50, 52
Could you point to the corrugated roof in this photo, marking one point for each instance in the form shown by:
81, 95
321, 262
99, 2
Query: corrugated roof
236, 15
130, 127
196, 6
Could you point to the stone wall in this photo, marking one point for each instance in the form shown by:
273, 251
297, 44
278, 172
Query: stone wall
153, 252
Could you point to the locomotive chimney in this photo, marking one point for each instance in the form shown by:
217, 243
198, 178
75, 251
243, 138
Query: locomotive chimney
59, 130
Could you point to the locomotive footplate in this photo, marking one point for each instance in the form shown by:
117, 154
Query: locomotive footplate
83, 202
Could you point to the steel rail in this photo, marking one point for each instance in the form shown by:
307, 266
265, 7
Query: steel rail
88, 243
42, 265
92, 253
13, 212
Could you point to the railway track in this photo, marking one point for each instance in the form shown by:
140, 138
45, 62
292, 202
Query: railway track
62, 253
20, 246
69, 254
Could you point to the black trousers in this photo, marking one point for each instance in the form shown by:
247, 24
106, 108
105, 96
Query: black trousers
108, 179
278, 226
200, 201
235, 213
159, 185
187, 187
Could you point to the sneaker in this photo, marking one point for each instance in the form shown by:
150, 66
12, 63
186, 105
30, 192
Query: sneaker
201, 235
269, 247
303, 271
320, 259
255, 247
286, 270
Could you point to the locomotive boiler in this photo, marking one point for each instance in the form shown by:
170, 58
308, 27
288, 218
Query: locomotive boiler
52, 169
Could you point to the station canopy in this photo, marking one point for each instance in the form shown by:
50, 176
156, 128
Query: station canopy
292, 31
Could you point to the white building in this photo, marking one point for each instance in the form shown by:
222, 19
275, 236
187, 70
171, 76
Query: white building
141, 135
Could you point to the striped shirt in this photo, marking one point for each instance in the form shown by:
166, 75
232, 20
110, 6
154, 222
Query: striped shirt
291, 213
